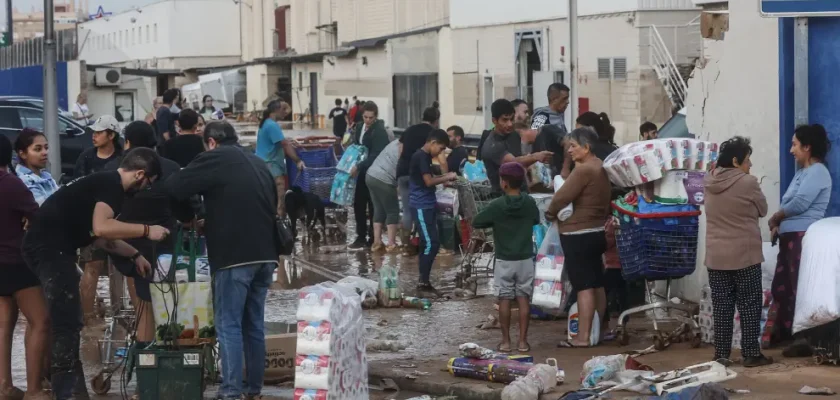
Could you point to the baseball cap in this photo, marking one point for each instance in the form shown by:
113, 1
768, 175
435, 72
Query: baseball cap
104, 123
513, 170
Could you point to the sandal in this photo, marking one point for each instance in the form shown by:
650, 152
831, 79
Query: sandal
567, 344
501, 349
525, 349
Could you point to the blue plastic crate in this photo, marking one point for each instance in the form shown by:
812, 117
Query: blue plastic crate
316, 180
657, 248
317, 158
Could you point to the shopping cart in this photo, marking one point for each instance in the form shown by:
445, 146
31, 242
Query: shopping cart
478, 258
657, 247
115, 342
319, 155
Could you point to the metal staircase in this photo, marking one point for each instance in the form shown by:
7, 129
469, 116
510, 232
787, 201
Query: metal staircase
673, 77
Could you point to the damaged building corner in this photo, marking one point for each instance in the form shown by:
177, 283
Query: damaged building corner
714, 24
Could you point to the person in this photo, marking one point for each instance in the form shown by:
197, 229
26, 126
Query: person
20, 288
81, 113
79, 214
358, 118
601, 124
412, 140
498, 150
199, 127
648, 131
338, 115
381, 180
106, 147
371, 135
805, 201
273, 148
188, 144
554, 114
351, 114
165, 117
458, 156
152, 115
207, 109
423, 202
734, 204
522, 112
148, 207
550, 138
582, 235
242, 265
33, 150
177, 103
512, 218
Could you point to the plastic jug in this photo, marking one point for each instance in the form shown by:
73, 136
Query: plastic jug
573, 326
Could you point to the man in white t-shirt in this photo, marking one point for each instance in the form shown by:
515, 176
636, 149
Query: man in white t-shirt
81, 114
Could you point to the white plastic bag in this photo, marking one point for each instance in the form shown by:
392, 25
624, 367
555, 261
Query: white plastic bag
366, 288
540, 379
567, 211
550, 292
818, 291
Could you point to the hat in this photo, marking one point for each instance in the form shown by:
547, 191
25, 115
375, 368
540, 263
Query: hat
106, 123
512, 170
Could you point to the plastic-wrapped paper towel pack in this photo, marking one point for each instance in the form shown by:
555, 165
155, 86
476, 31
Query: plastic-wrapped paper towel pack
818, 292
331, 361
638, 163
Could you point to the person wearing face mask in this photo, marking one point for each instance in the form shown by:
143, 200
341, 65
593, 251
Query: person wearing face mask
79, 214
32, 150
239, 191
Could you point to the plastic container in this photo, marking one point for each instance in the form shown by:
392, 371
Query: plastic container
415, 302
573, 326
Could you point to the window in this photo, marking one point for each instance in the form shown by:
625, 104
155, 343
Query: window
124, 107
147, 33
300, 80
120, 42
30, 118
603, 68
620, 68
155, 36
9, 118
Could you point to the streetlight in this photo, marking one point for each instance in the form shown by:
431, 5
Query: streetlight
51, 89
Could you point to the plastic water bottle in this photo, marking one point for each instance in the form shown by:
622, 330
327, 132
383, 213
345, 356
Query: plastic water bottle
414, 302
573, 326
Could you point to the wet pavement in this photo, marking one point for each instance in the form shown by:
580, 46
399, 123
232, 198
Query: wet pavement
431, 337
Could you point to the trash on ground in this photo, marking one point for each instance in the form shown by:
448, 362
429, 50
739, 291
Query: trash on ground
706, 391
365, 288
462, 293
738, 391
385, 345
389, 293
426, 397
629, 380
491, 323
405, 366
695, 375
606, 368
821, 391
472, 350
386, 385
542, 378
502, 371
416, 302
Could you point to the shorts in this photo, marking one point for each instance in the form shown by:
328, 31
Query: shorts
16, 277
584, 259
386, 202
514, 278
92, 253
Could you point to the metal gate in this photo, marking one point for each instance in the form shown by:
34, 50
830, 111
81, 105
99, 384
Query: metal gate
412, 95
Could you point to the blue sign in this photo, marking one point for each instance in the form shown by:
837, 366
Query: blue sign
799, 8
100, 13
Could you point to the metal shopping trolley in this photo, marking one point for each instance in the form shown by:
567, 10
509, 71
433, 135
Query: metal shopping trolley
120, 321
319, 155
657, 247
478, 258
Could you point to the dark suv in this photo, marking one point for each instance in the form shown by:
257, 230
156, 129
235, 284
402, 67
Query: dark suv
16, 115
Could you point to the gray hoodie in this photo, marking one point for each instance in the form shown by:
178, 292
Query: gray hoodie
545, 115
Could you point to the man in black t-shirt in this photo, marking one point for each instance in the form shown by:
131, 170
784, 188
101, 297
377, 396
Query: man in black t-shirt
458, 156
338, 115
78, 214
412, 140
166, 118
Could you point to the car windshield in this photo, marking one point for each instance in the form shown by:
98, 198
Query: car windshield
675, 128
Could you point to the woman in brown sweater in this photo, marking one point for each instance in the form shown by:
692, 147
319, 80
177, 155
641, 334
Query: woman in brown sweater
582, 234
734, 203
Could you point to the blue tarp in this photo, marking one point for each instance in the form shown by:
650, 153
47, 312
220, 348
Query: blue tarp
29, 81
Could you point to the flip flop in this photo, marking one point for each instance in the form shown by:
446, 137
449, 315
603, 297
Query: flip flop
525, 349
609, 336
505, 350
566, 344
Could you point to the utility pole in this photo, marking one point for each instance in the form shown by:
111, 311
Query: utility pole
51, 89
573, 58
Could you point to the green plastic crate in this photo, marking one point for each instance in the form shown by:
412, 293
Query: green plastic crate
170, 374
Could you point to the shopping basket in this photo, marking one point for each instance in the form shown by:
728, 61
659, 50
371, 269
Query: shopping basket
657, 246
318, 154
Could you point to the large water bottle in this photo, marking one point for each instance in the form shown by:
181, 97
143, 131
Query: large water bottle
573, 326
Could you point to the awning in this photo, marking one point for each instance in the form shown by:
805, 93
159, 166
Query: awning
137, 71
378, 41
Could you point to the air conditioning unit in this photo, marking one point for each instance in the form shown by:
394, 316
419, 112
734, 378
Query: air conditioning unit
108, 77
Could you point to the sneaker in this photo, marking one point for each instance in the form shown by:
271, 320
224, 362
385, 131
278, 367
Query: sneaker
725, 361
427, 288
799, 348
761, 360
11, 393
359, 244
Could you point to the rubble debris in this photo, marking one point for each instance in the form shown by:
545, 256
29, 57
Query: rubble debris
821, 391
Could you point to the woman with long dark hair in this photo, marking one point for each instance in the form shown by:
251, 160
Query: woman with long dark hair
207, 108
273, 147
804, 202
372, 135
32, 150
603, 127
20, 288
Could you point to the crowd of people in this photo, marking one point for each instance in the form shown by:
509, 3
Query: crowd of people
132, 191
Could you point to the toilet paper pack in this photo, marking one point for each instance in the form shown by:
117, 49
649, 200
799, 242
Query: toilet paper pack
549, 268
314, 337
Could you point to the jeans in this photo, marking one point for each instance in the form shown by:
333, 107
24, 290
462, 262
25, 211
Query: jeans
239, 308
429, 241
362, 204
407, 213
60, 279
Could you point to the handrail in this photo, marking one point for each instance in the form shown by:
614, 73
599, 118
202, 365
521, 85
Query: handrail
666, 68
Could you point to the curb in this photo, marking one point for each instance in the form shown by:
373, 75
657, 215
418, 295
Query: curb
463, 391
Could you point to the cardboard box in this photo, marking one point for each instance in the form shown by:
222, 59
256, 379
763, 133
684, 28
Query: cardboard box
280, 356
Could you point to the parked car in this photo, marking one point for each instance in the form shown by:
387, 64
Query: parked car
675, 127
74, 138
36, 101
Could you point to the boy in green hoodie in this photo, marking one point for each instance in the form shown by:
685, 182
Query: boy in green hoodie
515, 215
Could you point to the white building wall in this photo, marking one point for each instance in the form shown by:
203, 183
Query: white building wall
301, 74
349, 76
362, 19
735, 91
306, 16
158, 31
101, 99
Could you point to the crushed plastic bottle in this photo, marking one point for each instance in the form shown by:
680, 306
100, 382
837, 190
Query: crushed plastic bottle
415, 302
